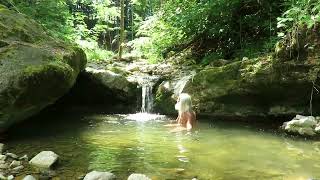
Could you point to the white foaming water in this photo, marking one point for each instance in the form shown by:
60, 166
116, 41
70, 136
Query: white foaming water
146, 103
180, 85
142, 117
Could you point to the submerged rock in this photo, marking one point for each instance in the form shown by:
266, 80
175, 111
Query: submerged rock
35, 69
95, 175
317, 129
3, 157
302, 125
29, 177
15, 163
138, 177
4, 166
17, 169
11, 155
45, 159
2, 177
24, 158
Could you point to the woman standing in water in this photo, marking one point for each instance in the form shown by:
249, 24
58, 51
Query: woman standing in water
186, 119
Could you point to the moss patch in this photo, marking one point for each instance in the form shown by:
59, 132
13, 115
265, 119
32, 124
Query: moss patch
35, 69
254, 88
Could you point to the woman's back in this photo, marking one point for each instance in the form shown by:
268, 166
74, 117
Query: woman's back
188, 119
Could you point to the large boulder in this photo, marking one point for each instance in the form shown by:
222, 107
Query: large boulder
109, 89
257, 87
113, 81
35, 69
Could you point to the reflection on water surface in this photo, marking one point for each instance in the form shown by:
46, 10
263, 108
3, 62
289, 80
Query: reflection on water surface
215, 150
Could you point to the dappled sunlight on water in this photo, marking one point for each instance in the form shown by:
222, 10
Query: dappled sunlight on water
215, 150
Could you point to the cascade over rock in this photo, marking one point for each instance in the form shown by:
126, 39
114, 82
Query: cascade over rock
35, 69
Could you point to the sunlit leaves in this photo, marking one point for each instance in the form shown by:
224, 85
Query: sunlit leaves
53, 15
302, 12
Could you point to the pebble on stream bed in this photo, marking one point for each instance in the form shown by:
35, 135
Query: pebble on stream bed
45, 159
11, 164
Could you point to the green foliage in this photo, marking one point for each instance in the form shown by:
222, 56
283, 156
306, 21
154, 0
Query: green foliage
300, 12
210, 58
93, 52
98, 54
221, 28
212, 29
53, 15
155, 36
80, 21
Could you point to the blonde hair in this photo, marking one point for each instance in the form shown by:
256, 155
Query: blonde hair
184, 103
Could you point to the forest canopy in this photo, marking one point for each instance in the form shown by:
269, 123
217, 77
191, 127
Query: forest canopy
212, 29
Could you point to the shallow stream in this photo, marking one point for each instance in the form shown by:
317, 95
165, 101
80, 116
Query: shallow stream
217, 149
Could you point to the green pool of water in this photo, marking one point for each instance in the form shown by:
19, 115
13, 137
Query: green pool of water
216, 150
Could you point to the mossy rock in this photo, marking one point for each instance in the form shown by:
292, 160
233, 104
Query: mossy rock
256, 87
35, 69
164, 103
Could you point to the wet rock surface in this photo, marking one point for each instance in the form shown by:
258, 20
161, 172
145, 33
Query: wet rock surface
138, 177
302, 125
96, 175
45, 159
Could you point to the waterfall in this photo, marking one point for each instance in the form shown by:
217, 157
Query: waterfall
147, 98
145, 114
180, 85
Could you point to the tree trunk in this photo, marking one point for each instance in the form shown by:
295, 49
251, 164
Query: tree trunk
132, 23
121, 38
